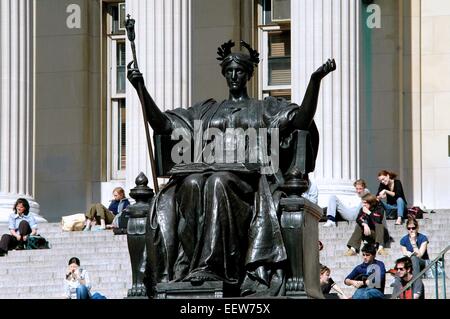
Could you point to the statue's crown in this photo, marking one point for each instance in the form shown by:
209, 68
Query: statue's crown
225, 50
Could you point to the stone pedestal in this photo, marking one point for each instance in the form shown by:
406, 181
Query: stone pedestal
16, 106
299, 226
186, 290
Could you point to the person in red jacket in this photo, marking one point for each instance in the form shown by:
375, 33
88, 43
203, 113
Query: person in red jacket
369, 226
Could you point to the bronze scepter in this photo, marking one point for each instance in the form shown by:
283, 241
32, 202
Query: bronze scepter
129, 26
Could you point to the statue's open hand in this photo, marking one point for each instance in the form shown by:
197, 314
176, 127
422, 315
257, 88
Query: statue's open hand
326, 68
134, 75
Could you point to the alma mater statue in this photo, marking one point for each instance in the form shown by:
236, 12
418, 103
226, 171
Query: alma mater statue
221, 222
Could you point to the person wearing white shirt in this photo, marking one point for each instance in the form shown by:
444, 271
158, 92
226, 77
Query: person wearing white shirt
77, 284
312, 194
349, 207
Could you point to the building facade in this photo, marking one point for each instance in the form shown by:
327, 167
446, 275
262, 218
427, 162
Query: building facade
71, 125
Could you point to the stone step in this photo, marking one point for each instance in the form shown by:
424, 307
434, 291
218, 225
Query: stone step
58, 289
106, 257
52, 279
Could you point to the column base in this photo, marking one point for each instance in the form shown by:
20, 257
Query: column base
7, 202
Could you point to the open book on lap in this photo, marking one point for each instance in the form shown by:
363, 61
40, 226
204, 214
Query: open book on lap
190, 168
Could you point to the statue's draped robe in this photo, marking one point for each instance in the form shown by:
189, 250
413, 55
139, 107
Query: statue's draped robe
222, 225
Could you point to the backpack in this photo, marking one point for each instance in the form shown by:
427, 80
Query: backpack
37, 242
73, 222
415, 212
121, 223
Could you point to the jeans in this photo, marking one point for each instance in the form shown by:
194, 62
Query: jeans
368, 293
400, 206
418, 265
83, 292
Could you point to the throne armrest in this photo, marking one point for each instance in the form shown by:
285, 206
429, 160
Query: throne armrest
163, 159
302, 154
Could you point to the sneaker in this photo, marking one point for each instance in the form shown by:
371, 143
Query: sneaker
2, 253
350, 252
97, 228
86, 228
329, 223
382, 252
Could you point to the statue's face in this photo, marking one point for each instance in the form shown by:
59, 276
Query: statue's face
236, 76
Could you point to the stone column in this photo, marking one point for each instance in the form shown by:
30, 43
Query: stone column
16, 105
163, 45
323, 29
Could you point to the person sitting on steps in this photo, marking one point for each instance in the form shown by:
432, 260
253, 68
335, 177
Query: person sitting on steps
327, 283
21, 225
404, 269
391, 189
312, 194
414, 245
347, 207
99, 214
369, 278
369, 226
77, 284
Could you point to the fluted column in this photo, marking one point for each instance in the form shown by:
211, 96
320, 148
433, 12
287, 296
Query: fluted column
16, 105
323, 29
163, 43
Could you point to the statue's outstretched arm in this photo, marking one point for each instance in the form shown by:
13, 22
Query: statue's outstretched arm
305, 116
159, 122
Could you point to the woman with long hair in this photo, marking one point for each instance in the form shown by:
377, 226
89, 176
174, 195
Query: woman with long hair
391, 190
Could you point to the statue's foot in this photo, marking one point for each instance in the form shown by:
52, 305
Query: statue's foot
198, 278
295, 284
137, 290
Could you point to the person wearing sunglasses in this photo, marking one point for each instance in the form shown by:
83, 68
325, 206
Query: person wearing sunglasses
403, 268
414, 245
369, 278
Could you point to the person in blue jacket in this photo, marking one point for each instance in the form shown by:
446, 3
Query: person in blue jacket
369, 278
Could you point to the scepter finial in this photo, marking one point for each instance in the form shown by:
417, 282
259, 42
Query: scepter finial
129, 25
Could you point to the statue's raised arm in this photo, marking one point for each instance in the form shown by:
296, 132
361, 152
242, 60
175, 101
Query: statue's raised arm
304, 118
159, 122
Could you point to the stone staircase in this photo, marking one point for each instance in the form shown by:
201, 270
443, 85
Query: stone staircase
39, 274
435, 226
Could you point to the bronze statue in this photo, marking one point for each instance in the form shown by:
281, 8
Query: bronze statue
220, 220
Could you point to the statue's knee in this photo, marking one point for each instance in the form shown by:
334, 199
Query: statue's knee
218, 178
193, 180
